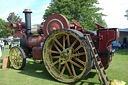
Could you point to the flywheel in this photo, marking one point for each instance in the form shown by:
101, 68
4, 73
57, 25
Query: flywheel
55, 22
66, 55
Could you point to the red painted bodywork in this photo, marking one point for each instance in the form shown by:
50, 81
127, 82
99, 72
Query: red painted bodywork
105, 37
20, 34
37, 52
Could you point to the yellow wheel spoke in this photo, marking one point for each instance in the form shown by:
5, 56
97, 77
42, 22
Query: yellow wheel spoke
53, 51
62, 72
14, 61
19, 63
55, 56
68, 40
82, 62
73, 43
58, 42
63, 42
59, 67
73, 70
16, 51
57, 47
68, 69
78, 54
76, 64
12, 56
54, 63
19, 58
77, 48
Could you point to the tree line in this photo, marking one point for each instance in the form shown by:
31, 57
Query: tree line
5, 30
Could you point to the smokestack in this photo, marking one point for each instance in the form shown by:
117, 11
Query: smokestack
28, 21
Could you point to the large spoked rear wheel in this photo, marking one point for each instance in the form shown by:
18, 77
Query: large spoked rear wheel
65, 56
17, 57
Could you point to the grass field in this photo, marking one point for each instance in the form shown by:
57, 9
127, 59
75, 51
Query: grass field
36, 74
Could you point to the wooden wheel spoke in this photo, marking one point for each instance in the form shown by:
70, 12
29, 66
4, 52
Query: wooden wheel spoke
68, 40
53, 51
62, 72
78, 54
57, 47
82, 62
55, 56
12, 57
77, 48
15, 62
19, 58
73, 43
16, 51
63, 42
59, 67
58, 42
19, 63
69, 70
54, 63
73, 70
76, 64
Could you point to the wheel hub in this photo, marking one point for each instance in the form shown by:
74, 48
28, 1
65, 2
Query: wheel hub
65, 56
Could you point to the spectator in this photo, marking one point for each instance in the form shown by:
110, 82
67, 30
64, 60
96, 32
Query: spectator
12, 43
124, 42
2, 45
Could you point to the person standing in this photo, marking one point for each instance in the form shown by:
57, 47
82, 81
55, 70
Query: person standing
2, 45
12, 43
124, 42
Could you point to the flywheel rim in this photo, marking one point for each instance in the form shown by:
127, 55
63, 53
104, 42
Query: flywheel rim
63, 61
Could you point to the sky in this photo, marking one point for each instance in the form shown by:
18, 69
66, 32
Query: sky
38, 8
114, 9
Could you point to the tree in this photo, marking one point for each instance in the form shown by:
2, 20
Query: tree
13, 18
2, 22
83, 11
5, 30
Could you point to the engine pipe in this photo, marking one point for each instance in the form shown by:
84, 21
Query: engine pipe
28, 21
18, 25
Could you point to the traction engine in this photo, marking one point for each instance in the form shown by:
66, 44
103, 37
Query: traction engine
62, 47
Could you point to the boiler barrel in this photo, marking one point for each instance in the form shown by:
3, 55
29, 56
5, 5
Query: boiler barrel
34, 41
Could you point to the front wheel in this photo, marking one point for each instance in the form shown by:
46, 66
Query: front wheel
17, 57
65, 56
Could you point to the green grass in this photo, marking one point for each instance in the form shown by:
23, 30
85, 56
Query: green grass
36, 74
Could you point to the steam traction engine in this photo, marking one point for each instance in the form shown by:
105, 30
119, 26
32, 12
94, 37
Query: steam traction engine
64, 48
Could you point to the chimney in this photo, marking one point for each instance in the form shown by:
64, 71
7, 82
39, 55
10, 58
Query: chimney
28, 21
